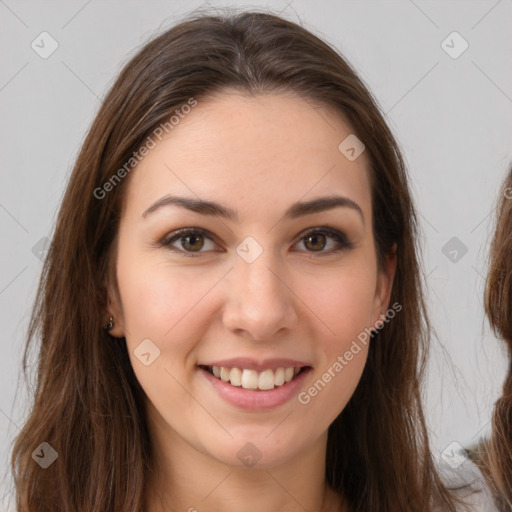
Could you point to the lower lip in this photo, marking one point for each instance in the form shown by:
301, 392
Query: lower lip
256, 400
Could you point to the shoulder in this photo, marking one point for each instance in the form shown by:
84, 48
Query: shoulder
467, 482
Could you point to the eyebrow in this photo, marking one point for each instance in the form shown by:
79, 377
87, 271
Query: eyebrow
296, 210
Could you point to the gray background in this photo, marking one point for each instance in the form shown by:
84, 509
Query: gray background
452, 116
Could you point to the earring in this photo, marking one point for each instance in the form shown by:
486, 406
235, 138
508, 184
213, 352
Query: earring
110, 324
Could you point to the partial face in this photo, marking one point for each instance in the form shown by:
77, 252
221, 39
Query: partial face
255, 304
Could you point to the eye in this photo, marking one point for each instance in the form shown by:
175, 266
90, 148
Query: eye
192, 240
316, 239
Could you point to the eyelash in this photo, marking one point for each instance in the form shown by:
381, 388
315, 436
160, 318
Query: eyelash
339, 237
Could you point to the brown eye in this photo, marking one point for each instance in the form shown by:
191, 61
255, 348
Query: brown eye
189, 242
315, 242
192, 242
325, 240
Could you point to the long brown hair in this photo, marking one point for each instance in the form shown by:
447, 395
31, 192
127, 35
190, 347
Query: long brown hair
497, 452
88, 404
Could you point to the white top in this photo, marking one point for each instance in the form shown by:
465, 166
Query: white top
476, 492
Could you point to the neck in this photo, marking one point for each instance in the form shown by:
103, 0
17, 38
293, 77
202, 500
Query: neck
185, 479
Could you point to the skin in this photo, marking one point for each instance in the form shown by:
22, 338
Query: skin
256, 155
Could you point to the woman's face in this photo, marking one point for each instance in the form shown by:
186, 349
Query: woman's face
251, 293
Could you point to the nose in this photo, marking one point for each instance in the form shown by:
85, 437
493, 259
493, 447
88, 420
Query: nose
261, 305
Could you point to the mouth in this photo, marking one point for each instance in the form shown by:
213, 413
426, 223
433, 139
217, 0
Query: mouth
251, 379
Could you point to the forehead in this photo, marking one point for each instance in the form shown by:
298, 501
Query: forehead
256, 150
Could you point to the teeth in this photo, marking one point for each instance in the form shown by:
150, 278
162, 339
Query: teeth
266, 380
251, 379
235, 377
279, 377
224, 374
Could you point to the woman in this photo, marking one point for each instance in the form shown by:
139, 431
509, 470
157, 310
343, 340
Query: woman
280, 368
497, 452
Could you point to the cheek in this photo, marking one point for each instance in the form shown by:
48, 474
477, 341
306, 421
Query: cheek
157, 298
344, 306
339, 380
343, 303
342, 353
163, 302
160, 305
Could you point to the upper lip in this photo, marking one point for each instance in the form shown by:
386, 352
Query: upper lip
258, 365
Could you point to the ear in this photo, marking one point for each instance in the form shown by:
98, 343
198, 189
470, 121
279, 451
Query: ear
384, 286
114, 310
